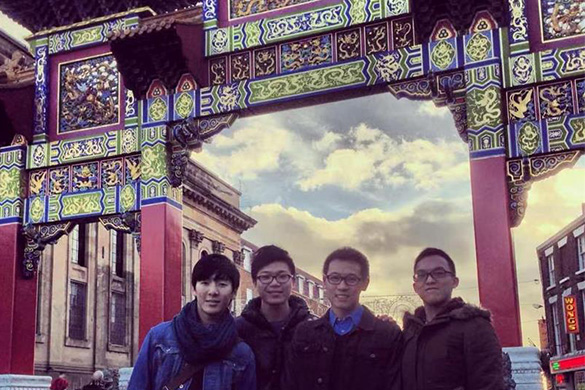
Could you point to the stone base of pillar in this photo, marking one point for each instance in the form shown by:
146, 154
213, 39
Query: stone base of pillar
526, 368
24, 382
125, 374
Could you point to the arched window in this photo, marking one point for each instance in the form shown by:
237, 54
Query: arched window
203, 253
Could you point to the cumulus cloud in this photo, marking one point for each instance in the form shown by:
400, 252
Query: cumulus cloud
391, 239
259, 147
373, 157
429, 108
361, 158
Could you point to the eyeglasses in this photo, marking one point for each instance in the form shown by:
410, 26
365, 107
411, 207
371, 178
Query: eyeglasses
280, 278
437, 274
350, 280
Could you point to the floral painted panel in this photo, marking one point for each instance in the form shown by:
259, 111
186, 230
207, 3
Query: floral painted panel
88, 94
241, 8
562, 18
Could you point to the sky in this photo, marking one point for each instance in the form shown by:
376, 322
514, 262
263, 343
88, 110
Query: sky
388, 177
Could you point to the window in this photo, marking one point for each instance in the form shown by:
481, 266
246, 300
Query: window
77, 309
118, 319
581, 251
551, 270
117, 252
203, 254
249, 295
556, 328
77, 245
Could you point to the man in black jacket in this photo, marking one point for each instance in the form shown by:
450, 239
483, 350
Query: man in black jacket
348, 348
448, 344
268, 322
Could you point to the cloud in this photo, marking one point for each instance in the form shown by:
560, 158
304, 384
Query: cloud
258, 147
328, 142
391, 240
429, 108
373, 157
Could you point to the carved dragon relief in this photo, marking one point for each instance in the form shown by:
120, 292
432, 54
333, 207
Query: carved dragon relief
128, 223
189, 134
37, 237
523, 172
444, 90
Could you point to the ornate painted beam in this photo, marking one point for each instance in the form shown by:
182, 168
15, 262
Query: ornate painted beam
37, 238
525, 171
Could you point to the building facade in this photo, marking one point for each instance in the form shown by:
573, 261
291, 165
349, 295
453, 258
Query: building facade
88, 284
562, 266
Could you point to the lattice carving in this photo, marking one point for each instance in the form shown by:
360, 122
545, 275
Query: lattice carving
523, 172
128, 223
189, 134
443, 89
37, 237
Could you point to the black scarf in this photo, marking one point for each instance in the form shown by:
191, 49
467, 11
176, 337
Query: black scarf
201, 344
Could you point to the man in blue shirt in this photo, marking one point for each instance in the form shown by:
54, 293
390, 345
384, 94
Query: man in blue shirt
348, 348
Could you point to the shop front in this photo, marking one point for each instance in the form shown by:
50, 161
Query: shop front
568, 372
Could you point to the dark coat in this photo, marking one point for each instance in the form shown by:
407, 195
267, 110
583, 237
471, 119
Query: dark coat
372, 359
269, 347
457, 350
94, 385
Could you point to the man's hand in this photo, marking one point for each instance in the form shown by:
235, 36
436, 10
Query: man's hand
386, 318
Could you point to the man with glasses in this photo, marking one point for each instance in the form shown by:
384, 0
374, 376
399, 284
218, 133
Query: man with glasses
348, 348
448, 344
268, 322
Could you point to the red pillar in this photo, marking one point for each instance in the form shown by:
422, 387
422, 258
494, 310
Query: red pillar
496, 268
160, 265
17, 306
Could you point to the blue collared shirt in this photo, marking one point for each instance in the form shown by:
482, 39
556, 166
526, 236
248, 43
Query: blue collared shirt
343, 326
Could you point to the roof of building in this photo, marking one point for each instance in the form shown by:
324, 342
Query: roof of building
215, 195
563, 232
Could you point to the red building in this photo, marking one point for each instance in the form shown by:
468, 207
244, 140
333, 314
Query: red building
562, 266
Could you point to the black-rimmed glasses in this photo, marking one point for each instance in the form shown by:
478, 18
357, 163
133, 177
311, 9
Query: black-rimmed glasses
437, 274
280, 278
350, 280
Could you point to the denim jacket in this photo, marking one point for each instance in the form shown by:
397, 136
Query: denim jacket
160, 360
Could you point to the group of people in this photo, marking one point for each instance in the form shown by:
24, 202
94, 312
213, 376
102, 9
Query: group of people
277, 344
97, 382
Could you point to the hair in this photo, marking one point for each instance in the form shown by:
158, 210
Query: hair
348, 254
269, 254
435, 252
215, 267
98, 375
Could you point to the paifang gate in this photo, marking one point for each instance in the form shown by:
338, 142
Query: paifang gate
122, 94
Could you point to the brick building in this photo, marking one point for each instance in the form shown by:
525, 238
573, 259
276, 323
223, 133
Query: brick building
562, 267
